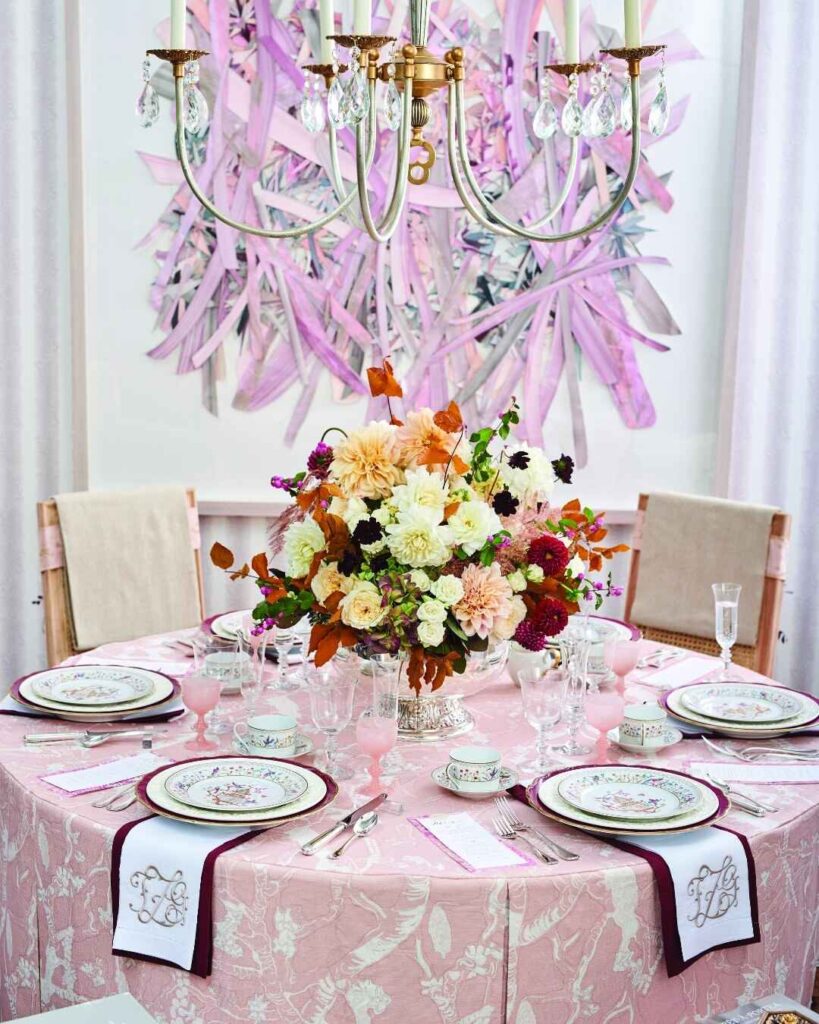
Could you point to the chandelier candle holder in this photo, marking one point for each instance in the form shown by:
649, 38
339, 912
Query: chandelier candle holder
410, 78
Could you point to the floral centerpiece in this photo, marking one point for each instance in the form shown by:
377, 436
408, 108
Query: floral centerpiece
418, 538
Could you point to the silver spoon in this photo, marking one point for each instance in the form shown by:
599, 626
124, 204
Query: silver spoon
366, 823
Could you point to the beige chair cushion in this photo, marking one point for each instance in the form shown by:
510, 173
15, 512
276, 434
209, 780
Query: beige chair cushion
687, 544
130, 563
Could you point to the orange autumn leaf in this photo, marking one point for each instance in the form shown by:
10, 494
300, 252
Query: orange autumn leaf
324, 492
382, 381
259, 565
435, 455
221, 556
449, 419
327, 637
242, 573
572, 506
451, 509
336, 533
459, 465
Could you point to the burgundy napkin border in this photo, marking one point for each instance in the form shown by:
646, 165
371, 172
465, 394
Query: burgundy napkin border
202, 961
672, 947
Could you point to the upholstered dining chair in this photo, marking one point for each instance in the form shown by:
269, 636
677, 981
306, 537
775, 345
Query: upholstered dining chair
684, 543
116, 565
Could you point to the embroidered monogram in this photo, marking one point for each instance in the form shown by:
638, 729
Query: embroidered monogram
164, 900
714, 892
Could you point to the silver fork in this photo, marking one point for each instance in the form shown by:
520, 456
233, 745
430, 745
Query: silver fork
121, 798
505, 831
508, 814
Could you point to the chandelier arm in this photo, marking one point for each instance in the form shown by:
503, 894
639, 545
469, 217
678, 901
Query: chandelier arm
250, 229
571, 170
384, 231
336, 176
566, 236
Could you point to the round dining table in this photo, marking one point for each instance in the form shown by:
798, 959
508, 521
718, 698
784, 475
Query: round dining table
395, 931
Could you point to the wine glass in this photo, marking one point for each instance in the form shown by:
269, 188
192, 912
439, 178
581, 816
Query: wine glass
574, 657
251, 653
622, 657
542, 689
726, 616
331, 707
283, 681
377, 728
200, 694
218, 657
604, 711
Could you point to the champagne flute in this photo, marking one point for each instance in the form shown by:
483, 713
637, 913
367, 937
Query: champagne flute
200, 694
251, 665
574, 656
726, 616
331, 707
542, 689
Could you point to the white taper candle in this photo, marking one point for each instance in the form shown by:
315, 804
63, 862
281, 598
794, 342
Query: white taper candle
178, 24
362, 18
634, 23
327, 27
571, 17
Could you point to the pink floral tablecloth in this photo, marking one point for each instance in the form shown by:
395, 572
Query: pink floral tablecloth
395, 931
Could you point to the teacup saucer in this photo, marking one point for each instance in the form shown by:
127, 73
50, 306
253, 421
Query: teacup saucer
304, 745
507, 778
670, 737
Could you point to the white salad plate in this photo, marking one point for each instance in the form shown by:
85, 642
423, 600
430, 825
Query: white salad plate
553, 803
807, 714
92, 682
507, 778
743, 703
236, 786
628, 794
155, 796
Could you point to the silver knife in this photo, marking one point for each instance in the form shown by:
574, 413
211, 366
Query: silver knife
308, 849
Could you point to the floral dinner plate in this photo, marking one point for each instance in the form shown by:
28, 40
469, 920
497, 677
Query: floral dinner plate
731, 702
91, 686
236, 785
629, 794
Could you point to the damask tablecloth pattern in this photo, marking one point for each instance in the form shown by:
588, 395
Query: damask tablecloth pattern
395, 930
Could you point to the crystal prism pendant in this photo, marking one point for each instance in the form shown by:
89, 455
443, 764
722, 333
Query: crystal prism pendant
319, 116
196, 111
591, 126
147, 107
658, 114
358, 98
571, 120
545, 121
625, 107
393, 111
336, 103
605, 115
307, 113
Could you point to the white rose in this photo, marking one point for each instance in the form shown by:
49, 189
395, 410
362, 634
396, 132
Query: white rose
472, 524
328, 580
431, 633
419, 579
417, 540
432, 611
576, 566
301, 541
503, 628
534, 573
448, 589
351, 510
421, 490
516, 580
362, 608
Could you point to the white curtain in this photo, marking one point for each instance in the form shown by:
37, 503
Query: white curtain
35, 366
769, 448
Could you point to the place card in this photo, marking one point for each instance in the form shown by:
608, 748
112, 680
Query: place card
734, 771
469, 843
106, 774
689, 670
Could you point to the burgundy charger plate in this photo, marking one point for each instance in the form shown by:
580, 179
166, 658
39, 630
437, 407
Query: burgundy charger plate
532, 798
14, 692
781, 726
328, 798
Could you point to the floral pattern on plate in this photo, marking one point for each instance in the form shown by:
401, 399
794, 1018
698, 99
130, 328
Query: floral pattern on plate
732, 703
92, 686
235, 785
628, 793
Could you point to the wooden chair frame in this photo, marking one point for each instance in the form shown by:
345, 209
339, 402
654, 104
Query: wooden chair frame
59, 621
760, 656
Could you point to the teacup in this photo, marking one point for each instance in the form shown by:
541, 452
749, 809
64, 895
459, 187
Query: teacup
644, 725
474, 769
268, 734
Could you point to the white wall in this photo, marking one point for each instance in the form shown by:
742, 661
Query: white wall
147, 425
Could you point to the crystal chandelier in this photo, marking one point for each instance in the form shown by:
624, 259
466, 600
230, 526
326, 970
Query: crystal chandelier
408, 79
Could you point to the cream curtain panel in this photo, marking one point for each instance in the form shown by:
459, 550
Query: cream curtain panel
35, 367
769, 450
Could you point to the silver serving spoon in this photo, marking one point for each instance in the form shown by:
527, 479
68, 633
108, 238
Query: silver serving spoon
366, 823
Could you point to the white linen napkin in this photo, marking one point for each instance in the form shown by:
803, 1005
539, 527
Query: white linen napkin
162, 874
734, 771
679, 674
173, 707
105, 774
711, 899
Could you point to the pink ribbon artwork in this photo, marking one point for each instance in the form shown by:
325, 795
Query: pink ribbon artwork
462, 313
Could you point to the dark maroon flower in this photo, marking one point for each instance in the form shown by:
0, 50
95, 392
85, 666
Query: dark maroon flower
520, 460
379, 563
563, 468
550, 616
505, 503
350, 562
529, 636
367, 531
319, 459
550, 554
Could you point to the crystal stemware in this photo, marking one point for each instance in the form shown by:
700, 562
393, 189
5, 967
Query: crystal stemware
377, 728
574, 657
219, 658
542, 689
251, 665
284, 681
331, 706
604, 711
726, 616
200, 694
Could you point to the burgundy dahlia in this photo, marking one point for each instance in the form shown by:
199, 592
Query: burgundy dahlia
549, 616
529, 636
550, 554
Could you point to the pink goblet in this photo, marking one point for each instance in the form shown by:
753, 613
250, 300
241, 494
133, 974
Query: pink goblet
621, 657
376, 736
604, 711
200, 695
